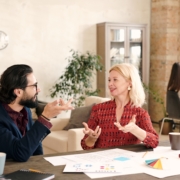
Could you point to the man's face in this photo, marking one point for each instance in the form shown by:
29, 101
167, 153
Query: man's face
30, 102
29, 98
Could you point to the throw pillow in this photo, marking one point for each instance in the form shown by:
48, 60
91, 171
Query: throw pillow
40, 108
78, 116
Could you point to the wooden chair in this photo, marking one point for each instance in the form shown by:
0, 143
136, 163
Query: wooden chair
172, 107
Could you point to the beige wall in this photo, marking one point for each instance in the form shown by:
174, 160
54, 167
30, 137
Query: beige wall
165, 43
42, 32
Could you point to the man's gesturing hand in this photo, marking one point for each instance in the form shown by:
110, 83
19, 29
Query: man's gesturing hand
53, 109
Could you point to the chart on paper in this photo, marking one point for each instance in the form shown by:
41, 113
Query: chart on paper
104, 156
93, 167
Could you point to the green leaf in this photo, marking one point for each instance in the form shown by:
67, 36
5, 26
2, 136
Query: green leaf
156, 97
77, 77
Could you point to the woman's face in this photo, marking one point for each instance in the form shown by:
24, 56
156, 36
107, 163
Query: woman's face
117, 84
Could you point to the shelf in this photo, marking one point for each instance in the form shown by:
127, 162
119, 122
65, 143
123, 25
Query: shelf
117, 41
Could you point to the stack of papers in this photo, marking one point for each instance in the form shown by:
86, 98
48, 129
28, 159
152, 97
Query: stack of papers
115, 162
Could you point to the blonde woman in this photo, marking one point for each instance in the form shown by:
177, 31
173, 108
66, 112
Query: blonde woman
121, 121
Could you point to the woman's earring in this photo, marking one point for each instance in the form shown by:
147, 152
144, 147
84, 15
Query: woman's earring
129, 88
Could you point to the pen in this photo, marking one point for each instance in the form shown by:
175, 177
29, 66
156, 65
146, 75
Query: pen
34, 170
144, 154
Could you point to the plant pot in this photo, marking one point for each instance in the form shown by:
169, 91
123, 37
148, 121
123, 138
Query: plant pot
167, 127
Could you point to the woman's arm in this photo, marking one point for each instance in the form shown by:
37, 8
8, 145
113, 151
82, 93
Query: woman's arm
144, 122
91, 129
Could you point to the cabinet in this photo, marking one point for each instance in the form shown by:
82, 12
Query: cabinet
118, 43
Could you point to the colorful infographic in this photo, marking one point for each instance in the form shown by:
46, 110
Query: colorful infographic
92, 167
154, 163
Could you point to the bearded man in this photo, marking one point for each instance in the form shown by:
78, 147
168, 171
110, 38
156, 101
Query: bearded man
20, 138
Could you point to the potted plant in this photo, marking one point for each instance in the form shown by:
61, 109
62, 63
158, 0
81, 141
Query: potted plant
169, 125
75, 82
156, 97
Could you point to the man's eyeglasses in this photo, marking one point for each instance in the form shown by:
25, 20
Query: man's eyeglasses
35, 85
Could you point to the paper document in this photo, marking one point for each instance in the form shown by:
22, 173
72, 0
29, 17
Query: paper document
115, 162
93, 167
57, 160
119, 155
170, 162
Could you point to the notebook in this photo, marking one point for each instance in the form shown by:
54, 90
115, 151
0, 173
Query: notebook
27, 174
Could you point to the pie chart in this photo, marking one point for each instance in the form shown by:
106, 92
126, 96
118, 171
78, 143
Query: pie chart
154, 163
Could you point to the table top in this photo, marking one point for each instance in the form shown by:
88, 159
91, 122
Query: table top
38, 162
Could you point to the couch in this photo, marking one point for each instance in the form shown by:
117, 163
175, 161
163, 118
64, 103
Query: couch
36, 112
60, 140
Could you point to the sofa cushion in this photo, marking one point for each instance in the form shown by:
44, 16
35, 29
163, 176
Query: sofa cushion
57, 140
78, 116
40, 107
95, 99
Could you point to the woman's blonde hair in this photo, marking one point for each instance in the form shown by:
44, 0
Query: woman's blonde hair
130, 73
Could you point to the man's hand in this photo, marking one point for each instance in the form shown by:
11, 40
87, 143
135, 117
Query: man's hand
129, 127
53, 109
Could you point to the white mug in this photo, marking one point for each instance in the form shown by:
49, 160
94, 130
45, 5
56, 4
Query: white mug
2, 162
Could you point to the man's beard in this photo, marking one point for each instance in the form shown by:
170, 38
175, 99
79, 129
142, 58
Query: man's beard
30, 103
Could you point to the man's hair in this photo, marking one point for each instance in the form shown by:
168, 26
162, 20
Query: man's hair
13, 77
174, 80
131, 74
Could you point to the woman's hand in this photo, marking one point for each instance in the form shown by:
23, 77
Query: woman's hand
129, 127
132, 128
93, 135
